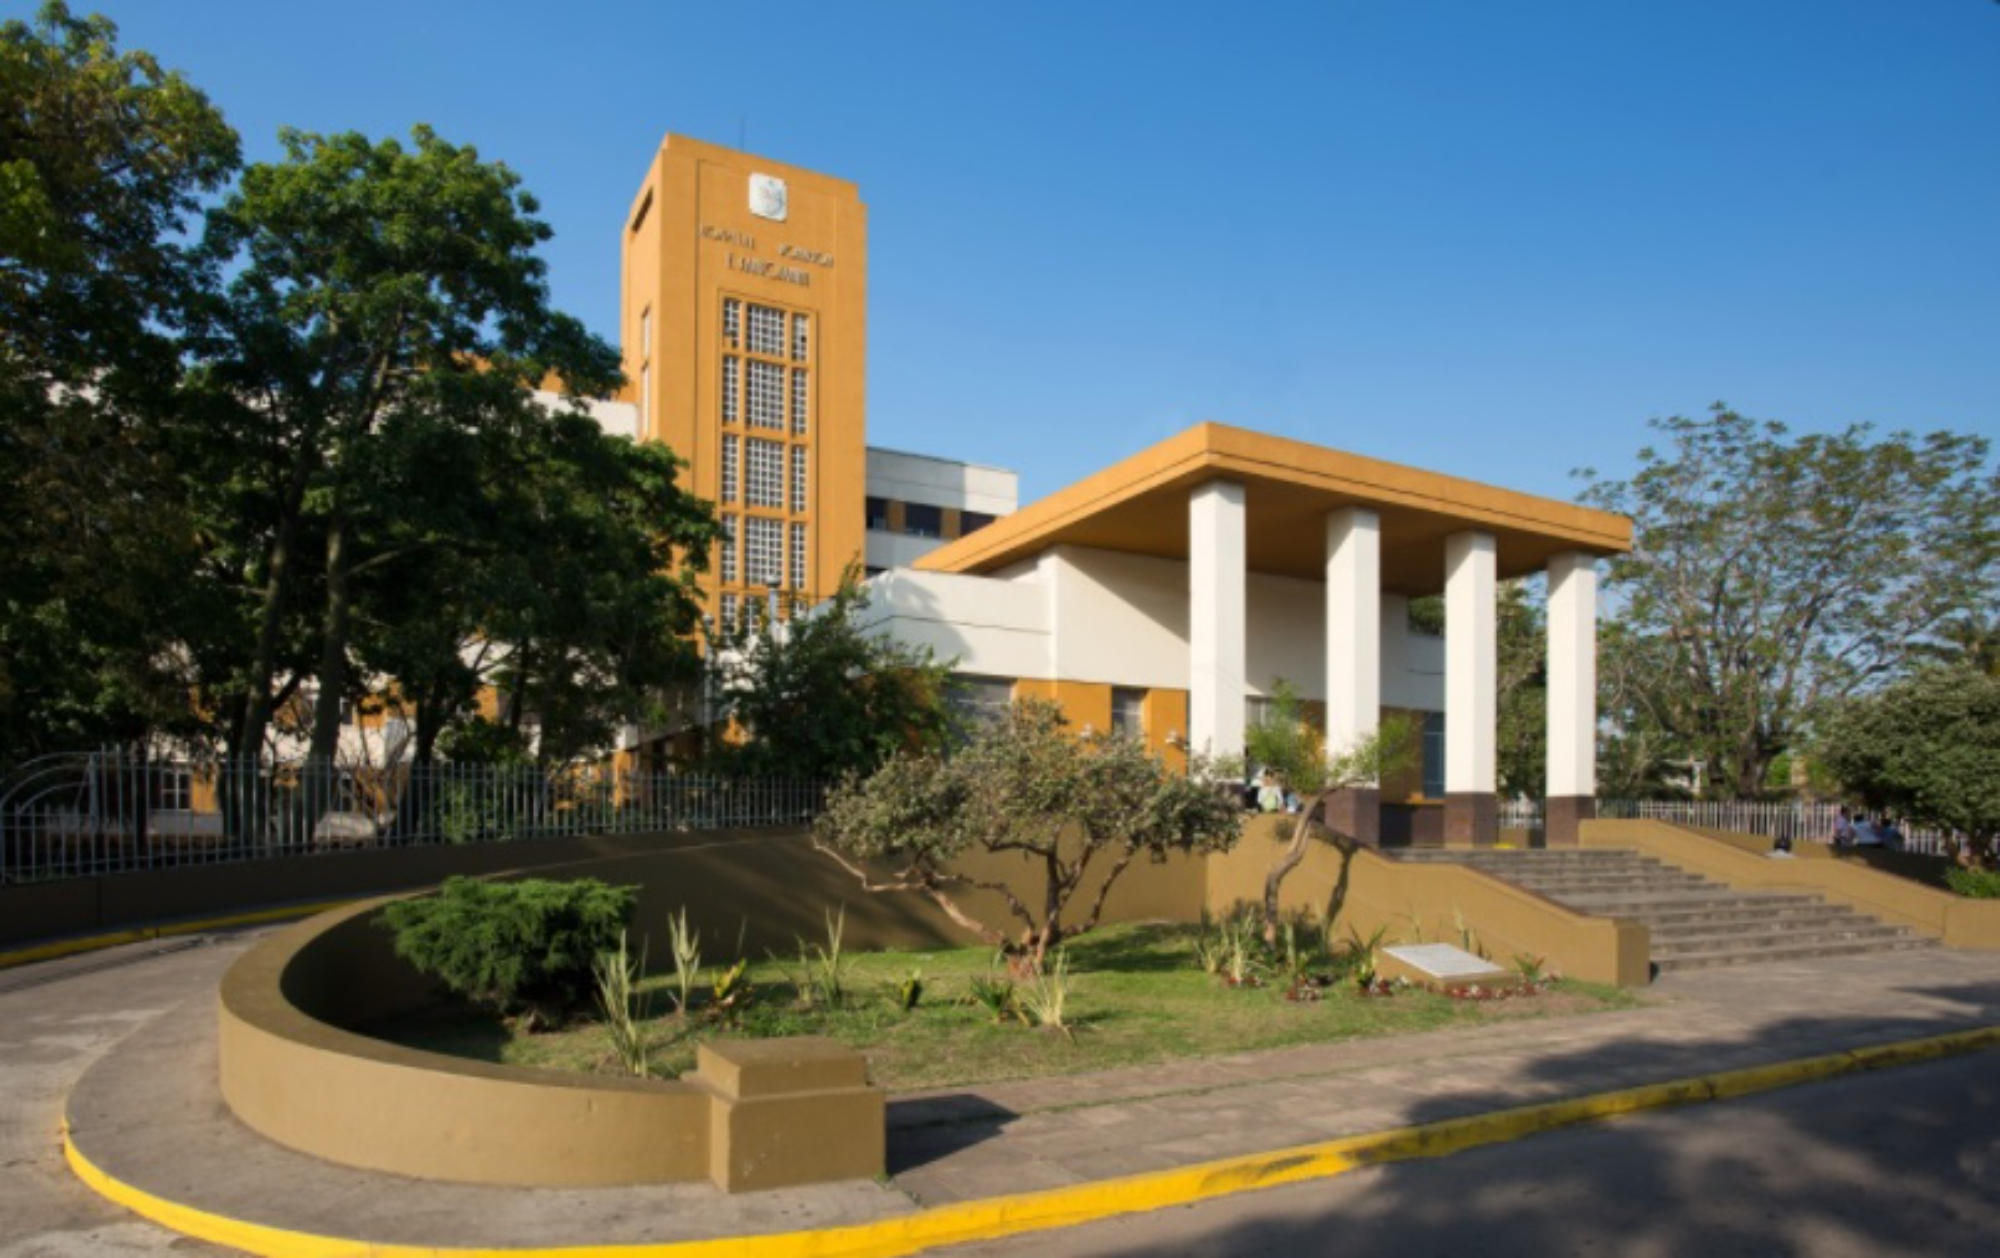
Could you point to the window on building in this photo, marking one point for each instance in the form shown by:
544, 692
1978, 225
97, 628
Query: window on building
731, 462
798, 556
764, 551
798, 479
173, 789
878, 514
646, 332
765, 485
729, 550
1128, 711
801, 341
1259, 710
980, 700
869, 574
732, 389
767, 395
732, 323
923, 520
1433, 755
646, 399
767, 331
801, 393
732, 611
972, 521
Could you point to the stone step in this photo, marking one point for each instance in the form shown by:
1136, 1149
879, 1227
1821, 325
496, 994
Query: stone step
1709, 915
1788, 952
1636, 904
1774, 934
1565, 884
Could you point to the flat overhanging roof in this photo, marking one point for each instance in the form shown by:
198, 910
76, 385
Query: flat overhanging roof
1140, 506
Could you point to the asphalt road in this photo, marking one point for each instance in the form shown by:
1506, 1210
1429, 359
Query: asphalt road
1902, 1162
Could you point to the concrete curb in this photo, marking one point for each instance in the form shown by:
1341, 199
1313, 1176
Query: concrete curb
997, 1217
165, 930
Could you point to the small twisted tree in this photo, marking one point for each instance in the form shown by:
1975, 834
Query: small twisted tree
1073, 806
1296, 754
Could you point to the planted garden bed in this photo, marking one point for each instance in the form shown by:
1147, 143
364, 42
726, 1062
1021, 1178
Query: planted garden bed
1134, 994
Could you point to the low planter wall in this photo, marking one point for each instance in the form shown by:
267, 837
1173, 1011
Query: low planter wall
799, 1112
1745, 861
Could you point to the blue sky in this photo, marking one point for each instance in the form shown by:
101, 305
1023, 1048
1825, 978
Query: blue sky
1488, 238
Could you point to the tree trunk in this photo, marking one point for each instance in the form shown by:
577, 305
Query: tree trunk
1293, 855
270, 612
333, 645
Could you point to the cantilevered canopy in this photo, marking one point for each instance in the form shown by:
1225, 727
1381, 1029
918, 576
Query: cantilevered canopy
1140, 506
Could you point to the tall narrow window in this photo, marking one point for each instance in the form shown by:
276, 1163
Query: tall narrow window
1433, 754
646, 399
801, 340
731, 458
801, 390
732, 323
732, 389
767, 395
1128, 712
765, 485
798, 479
732, 611
798, 556
764, 551
729, 550
767, 331
646, 332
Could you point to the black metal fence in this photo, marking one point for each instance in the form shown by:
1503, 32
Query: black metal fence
75, 816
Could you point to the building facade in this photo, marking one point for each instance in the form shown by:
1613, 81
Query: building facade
743, 323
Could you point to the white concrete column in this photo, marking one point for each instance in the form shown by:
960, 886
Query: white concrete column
1572, 782
1354, 656
1218, 650
1471, 688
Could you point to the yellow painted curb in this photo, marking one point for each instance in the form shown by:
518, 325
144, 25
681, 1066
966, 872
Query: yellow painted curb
996, 1217
140, 934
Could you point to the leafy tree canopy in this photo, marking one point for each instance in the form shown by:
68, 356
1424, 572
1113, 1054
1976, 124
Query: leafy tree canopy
1076, 809
822, 696
1773, 574
1926, 748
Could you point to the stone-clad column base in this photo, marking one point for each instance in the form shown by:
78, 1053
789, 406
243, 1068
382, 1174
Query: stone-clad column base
1563, 817
1471, 819
1357, 813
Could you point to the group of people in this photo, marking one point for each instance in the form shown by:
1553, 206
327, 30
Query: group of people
1857, 830
1263, 792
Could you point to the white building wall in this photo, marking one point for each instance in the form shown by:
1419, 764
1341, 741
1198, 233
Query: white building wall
1078, 614
942, 482
620, 419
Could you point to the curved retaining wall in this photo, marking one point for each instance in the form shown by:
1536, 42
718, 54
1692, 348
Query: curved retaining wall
751, 1116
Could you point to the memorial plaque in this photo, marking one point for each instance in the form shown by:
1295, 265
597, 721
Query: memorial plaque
1441, 965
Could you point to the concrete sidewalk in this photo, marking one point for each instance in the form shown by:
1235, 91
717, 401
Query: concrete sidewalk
148, 1113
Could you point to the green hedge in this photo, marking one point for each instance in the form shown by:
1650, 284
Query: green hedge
520, 948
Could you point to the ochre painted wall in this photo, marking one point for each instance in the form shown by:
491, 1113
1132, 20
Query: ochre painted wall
690, 242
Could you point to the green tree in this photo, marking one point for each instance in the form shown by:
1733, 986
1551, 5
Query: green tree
1072, 807
1772, 575
1286, 745
821, 696
1926, 748
381, 294
104, 158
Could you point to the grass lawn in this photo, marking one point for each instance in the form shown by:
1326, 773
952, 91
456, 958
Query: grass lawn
1136, 996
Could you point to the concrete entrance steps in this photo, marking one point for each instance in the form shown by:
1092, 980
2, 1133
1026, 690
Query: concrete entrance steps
1696, 923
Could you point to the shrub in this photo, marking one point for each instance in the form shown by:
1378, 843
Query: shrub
1974, 884
524, 947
